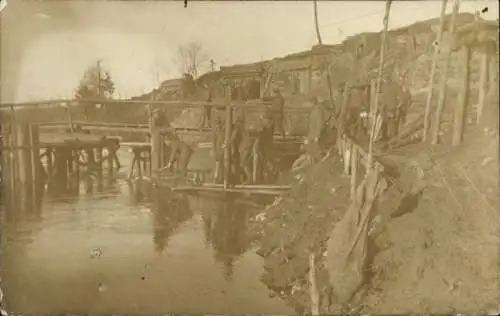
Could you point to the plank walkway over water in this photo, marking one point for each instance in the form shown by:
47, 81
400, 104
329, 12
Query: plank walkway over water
65, 139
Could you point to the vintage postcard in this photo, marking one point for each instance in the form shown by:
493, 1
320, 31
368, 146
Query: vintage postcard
249, 157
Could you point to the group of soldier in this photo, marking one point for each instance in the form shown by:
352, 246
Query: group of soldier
243, 144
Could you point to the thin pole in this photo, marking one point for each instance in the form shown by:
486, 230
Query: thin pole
316, 24
379, 83
433, 71
444, 80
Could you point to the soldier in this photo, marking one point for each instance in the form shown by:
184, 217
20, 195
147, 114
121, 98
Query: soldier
236, 139
264, 143
159, 118
317, 120
277, 111
217, 148
404, 101
180, 152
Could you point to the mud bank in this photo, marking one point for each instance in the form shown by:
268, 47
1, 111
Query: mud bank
433, 244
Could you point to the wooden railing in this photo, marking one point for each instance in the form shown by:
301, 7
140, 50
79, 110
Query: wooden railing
355, 159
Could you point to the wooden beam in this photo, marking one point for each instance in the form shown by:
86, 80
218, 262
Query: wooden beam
444, 79
483, 86
460, 110
435, 57
379, 84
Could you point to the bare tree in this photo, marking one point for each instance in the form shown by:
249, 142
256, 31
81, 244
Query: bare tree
191, 59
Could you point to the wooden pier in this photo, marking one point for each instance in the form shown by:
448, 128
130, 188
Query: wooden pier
33, 160
64, 152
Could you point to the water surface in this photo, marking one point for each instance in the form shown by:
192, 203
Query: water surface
120, 249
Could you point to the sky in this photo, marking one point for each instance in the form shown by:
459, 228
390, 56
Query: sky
47, 46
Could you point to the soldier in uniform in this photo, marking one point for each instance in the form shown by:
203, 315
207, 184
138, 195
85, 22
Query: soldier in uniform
317, 121
217, 150
264, 143
180, 152
277, 111
236, 139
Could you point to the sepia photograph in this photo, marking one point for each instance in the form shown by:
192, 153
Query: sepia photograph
249, 157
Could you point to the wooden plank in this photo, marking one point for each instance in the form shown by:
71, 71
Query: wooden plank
250, 186
223, 190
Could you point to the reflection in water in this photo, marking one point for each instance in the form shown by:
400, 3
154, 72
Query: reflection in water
167, 217
225, 229
47, 267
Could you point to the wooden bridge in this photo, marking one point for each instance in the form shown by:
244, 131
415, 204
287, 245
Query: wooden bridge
64, 150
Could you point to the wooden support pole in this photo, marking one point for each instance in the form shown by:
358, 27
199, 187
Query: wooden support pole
132, 167
227, 147
444, 79
67, 105
347, 156
483, 86
35, 156
435, 57
49, 162
111, 159
76, 168
255, 162
99, 161
70, 167
313, 287
141, 162
155, 152
25, 167
354, 170
460, 110
374, 112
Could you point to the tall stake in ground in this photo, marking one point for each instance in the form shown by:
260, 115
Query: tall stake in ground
316, 24
379, 83
444, 80
430, 91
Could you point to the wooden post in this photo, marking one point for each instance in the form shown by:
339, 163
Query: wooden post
227, 143
256, 162
483, 86
435, 57
111, 158
70, 166
444, 79
49, 162
35, 161
379, 84
347, 155
373, 92
354, 170
68, 112
23, 142
132, 167
313, 287
99, 161
76, 168
155, 153
460, 110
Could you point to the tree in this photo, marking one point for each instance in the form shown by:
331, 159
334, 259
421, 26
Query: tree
191, 59
96, 84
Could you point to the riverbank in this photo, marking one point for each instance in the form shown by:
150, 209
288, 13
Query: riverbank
434, 244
